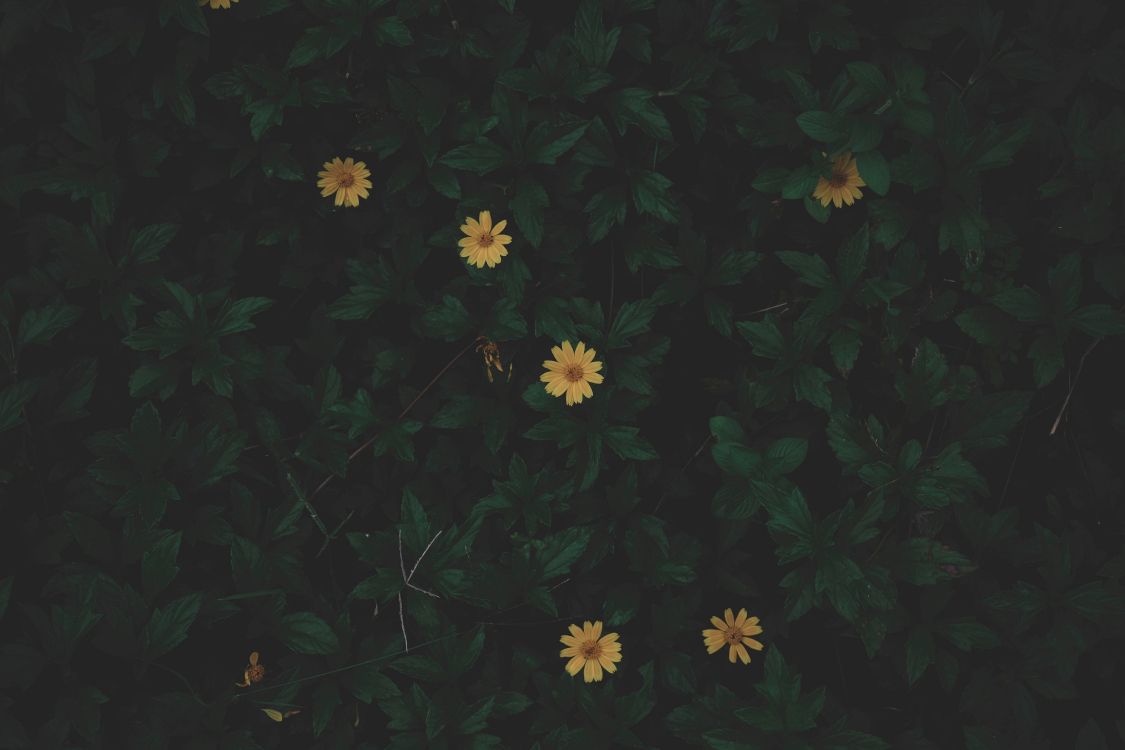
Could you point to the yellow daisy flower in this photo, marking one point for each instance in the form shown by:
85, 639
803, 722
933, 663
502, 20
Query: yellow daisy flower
735, 633
216, 4
254, 673
346, 179
844, 184
590, 652
484, 243
571, 372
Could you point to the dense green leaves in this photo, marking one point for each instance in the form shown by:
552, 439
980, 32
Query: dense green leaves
239, 418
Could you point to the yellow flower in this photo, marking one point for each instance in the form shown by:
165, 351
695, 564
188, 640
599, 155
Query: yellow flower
571, 372
590, 652
484, 243
216, 4
844, 184
347, 179
734, 633
254, 673
273, 713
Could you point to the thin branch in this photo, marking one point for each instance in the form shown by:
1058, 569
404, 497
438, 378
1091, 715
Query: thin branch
308, 504
1012, 468
771, 307
1073, 385
335, 531
431, 544
401, 561
683, 469
352, 456
345, 668
532, 623
402, 622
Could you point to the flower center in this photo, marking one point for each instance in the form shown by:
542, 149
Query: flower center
839, 179
590, 650
256, 673
347, 179
573, 373
732, 636
485, 240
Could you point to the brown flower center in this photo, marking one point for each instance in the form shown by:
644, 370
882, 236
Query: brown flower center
590, 650
733, 636
256, 673
485, 240
839, 179
573, 373
347, 179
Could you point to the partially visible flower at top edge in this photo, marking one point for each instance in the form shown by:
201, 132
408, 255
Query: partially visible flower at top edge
216, 4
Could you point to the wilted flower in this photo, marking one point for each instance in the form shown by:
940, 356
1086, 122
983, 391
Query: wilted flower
255, 672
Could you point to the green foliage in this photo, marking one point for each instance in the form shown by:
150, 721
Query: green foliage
236, 418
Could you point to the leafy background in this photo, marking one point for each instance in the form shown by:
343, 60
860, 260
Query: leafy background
892, 431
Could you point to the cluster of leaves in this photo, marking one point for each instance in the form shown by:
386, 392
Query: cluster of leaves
890, 430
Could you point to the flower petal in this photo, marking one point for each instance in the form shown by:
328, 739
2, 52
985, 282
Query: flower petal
738, 621
742, 653
728, 615
574, 666
486, 221
499, 227
718, 623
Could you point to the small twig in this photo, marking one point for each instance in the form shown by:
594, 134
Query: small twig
1012, 468
335, 531
406, 577
401, 560
427, 549
453, 19
183, 680
402, 622
771, 307
884, 106
1073, 385
683, 469
528, 624
345, 668
308, 505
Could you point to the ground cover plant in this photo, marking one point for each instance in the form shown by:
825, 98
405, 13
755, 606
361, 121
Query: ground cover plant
460, 374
